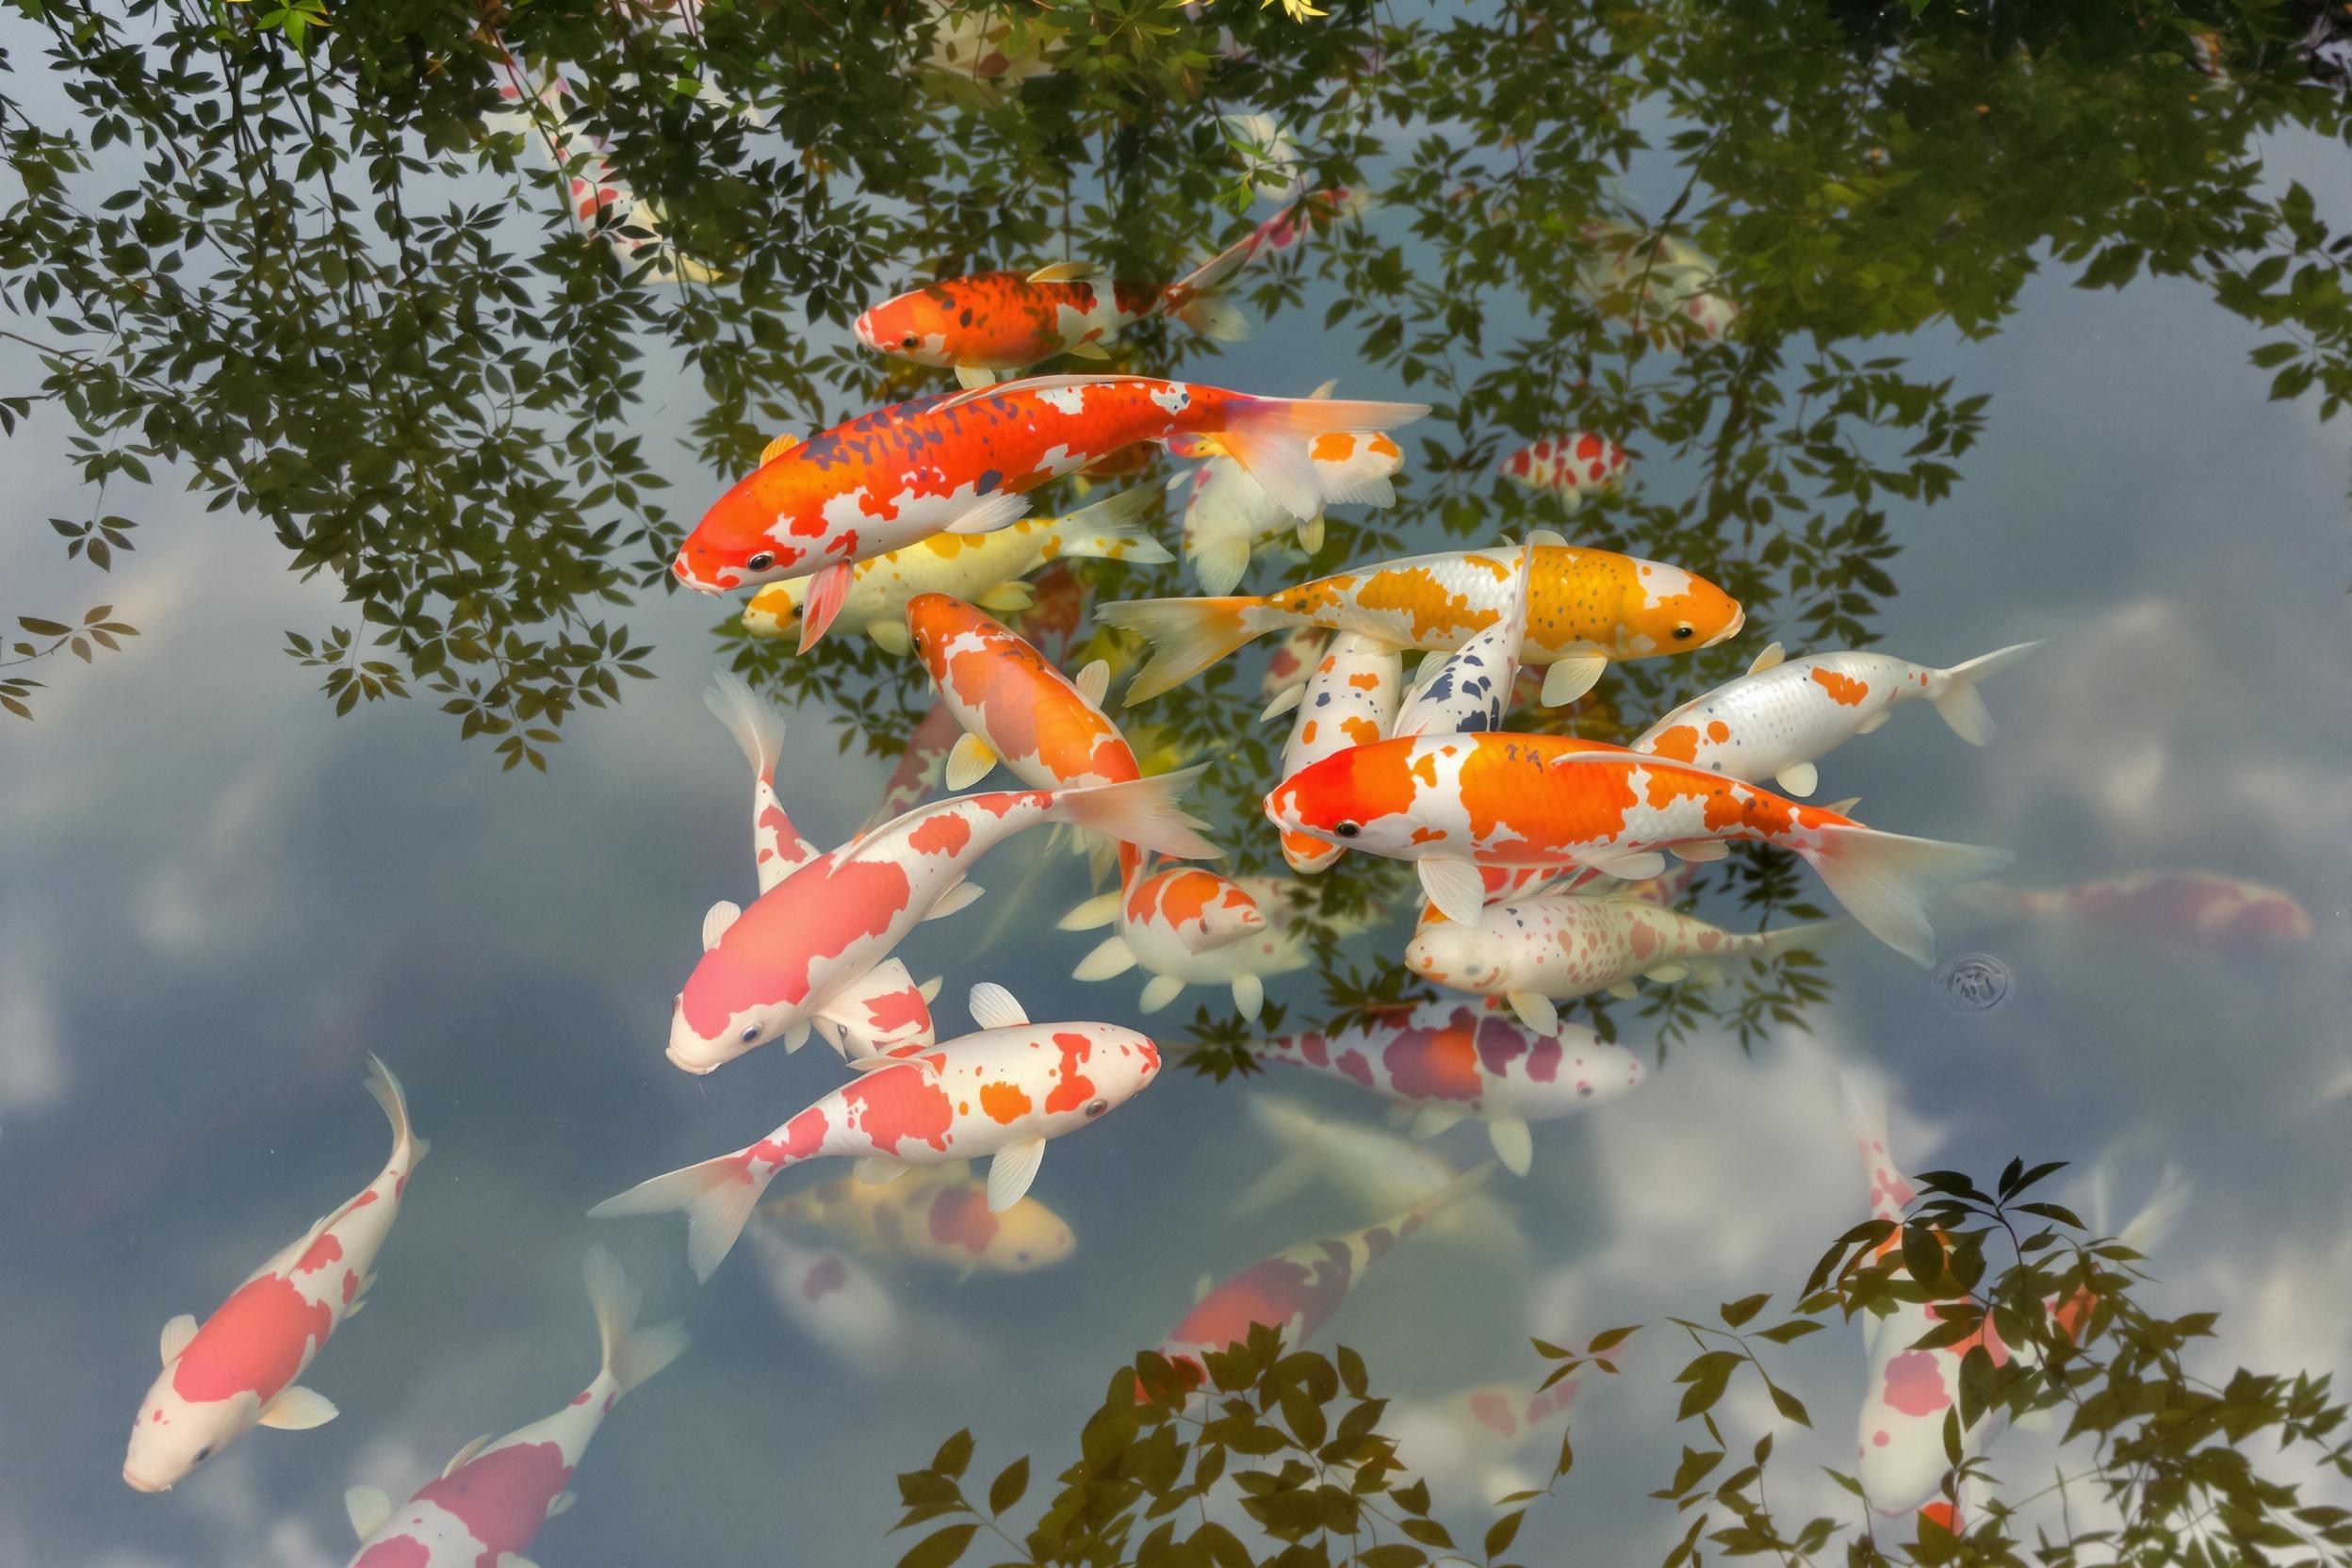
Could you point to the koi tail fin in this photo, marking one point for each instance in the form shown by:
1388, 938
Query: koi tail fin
1810, 936
716, 1196
1141, 812
1112, 529
1194, 299
756, 727
1954, 695
1274, 439
388, 1094
631, 1354
2161, 1215
1886, 879
1186, 636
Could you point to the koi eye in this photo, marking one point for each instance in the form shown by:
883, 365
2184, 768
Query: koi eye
751, 1033
765, 559
1346, 829
1020, 1257
202, 1454
1098, 1107
907, 342
1684, 630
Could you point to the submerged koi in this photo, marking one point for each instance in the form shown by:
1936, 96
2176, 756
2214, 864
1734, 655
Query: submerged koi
2193, 907
1002, 1092
1571, 467
965, 463
1185, 926
1775, 721
1469, 1443
1586, 608
238, 1368
1380, 1170
938, 1215
492, 1497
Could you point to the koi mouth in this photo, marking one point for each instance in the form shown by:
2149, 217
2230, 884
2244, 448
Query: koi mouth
685, 574
700, 1070
136, 1484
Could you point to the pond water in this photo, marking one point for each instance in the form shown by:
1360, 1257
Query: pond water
218, 895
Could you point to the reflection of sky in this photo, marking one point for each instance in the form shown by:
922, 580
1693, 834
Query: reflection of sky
217, 897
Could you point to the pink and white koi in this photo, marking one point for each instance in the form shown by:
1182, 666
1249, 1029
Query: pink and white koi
816, 946
986, 569
1441, 1061
1775, 721
1350, 700
1004, 1091
1468, 1447
238, 1368
1185, 926
490, 1498
1572, 467
1539, 950
1299, 1289
1382, 1171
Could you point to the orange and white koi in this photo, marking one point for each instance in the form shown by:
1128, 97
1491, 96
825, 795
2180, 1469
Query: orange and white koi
814, 949
1185, 926
1572, 467
1441, 1061
938, 1215
1454, 803
1775, 721
1469, 1445
238, 1368
776, 846
1004, 1091
2192, 907
1586, 608
490, 1498
1298, 1290
1470, 688
965, 464
1381, 1170
1539, 950
986, 569
1228, 515
1349, 699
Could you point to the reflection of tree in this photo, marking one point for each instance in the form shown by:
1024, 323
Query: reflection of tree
295, 268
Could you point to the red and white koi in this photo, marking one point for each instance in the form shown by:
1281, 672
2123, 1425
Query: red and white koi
1004, 1091
1452, 804
1298, 1290
814, 949
776, 846
1572, 467
1586, 608
2195, 908
1228, 515
841, 1306
1775, 721
1294, 659
1350, 700
490, 1500
965, 464
986, 569
1185, 926
1539, 950
1469, 1445
938, 1215
239, 1367
1381, 1170
1441, 1061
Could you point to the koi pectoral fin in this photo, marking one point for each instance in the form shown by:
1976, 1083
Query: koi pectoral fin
1569, 679
1012, 1170
297, 1409
827, 591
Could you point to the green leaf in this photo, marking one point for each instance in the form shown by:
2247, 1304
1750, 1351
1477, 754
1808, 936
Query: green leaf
1011, 1483
1736, 1312
939, 1548
953, 1455
1503, 1531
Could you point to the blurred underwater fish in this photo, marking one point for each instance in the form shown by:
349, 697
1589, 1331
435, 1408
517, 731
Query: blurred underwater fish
985, 569
921, 767
1775, 721
1466, 1446
1586, 608
1655, 274
237, 1369
1572, 467
1384, 1172
492, 1497
843, 1307
1454, 803
1228, 515
1002, 1092
965, 463
1349, 699
1538, 951
935, 1215
1441, 1061
2195, 908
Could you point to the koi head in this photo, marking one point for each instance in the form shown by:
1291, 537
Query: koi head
735, 1001
1666, 610
1362, 798
1103, 1068
916, 326
741, 541
1454, 955
775, 609
1030, 1236
172, 1435
933, 620
1204, 909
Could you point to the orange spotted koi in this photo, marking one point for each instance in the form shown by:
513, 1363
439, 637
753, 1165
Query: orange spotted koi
1777, 719
1349, 699
1586, 608
1571, 467
939, 1214
1004, 1091
965, 463
490, 1500
238, 1368
1441, 1061
1454, 803
1185, 926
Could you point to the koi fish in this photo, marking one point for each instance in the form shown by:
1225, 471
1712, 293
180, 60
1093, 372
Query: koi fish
1469, 1445
1228, 515
2195, 908
1585, 608
1654, 277
990, 321
1470, 688
1017, 709
813, 949
1002, 1092
921, 767
1544, 950
1299, 1289
1777, 719
1441, 1061
965, 463
492, 1496
239, 1369
1381, 1170
834, 1300
1185, 926
1295, 653
1453, 802
985, 569
939, 1214
1571, 467
1350, 700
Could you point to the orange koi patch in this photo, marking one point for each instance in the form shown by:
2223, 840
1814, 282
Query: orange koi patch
1843, 690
